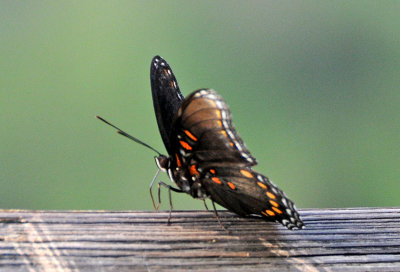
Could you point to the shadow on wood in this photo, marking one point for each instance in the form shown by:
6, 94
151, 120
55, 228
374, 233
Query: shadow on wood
334, 240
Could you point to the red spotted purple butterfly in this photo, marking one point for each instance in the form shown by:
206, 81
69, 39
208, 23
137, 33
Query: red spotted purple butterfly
206, 157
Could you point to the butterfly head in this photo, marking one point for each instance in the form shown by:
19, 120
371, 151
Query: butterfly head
163, 162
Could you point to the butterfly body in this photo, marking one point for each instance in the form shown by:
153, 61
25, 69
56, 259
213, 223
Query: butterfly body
207, 158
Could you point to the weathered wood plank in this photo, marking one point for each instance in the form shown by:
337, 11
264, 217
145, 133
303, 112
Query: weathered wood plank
357, 239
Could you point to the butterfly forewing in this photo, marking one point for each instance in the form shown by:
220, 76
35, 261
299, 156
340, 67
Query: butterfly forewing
166, 98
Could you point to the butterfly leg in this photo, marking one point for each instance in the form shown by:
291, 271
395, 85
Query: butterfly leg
152, 200
170, 188
217, 216
205, 204
151, 191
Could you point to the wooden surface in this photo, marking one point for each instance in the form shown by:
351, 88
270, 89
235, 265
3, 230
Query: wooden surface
334, 240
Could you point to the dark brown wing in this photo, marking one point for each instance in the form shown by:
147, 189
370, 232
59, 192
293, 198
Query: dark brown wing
215, 157
204, 125
246, 192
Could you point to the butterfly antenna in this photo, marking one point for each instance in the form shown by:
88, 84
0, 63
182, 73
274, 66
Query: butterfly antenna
123, 133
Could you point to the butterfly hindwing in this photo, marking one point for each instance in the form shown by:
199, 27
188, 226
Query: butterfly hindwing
247, 192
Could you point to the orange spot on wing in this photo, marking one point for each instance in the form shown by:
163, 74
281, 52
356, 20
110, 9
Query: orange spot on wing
219, 114
230, 184
262, 185
271, 195
223, 132
246, 173
178, 161
166, 71
193, 170
216, 180
232, 144
264, 213
185, 145
273, 203
212, 102
190, 135
212, 171
277, 210
269, 212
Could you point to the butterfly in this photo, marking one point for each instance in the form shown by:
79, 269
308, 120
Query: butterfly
206, 157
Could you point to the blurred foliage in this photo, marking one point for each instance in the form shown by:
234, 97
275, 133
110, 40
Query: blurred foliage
313, 88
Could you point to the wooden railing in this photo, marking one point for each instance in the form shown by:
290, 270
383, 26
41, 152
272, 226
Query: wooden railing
356, 239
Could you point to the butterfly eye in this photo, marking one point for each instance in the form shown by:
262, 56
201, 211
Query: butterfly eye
162, 162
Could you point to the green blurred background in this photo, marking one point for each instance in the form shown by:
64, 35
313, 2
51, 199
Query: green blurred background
313, 87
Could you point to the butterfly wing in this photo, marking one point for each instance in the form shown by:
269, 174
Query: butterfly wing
205, 131
166, 97
217, 158
246, 192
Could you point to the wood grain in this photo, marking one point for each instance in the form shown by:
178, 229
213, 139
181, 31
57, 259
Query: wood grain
356, 239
